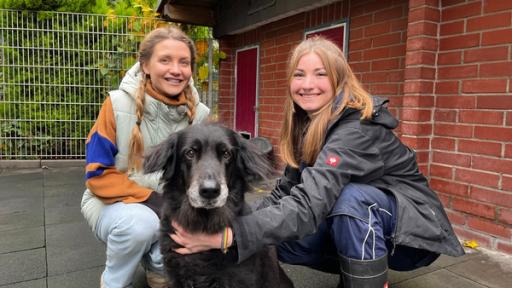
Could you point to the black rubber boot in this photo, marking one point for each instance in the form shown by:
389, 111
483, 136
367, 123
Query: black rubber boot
364, 273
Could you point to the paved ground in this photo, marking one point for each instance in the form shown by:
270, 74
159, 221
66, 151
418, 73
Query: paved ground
45, 243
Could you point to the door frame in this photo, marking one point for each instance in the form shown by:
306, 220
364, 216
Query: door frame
328, 26
257, 92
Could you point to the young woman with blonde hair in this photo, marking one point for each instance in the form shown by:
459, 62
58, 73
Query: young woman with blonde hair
121, 204
352, 200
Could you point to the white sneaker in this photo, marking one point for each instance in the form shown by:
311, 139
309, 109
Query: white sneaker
156, 280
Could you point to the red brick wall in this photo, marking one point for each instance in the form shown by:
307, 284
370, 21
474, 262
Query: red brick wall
378, 34
420, 73
471, 159
446, 66
226, 99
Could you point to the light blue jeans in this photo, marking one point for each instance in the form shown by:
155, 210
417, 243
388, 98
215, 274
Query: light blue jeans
131, 233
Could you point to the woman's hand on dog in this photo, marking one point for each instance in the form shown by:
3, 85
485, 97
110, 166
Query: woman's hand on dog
197, 242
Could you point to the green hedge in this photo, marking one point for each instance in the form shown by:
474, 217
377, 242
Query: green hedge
56, 69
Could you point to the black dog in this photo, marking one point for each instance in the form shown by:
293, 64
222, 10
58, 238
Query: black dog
207, 169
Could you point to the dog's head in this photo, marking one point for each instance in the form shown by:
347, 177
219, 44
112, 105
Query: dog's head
210, 163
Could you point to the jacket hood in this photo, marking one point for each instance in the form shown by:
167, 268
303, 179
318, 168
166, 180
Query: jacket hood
133, 77
380, 114
131, 80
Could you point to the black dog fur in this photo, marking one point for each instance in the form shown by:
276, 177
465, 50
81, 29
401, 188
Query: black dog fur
207, 169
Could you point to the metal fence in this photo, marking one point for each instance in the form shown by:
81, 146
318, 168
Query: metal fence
55, 72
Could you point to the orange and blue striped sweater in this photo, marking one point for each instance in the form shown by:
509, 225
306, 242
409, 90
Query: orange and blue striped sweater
102, 177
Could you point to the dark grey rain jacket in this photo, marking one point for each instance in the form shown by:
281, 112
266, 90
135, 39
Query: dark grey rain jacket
353, 151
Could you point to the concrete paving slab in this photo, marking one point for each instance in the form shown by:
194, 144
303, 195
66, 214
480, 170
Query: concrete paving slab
445, 261
19, 189
21, 205
21, 201
72, 247
63, 215
303, 277
397, 277
436, 279
486, 270
76, 190
13, 186
16, 176
8, 167
63, 209
22, 266
22, 239
80, 279
22, 220
73, 175
39, 283
89, 278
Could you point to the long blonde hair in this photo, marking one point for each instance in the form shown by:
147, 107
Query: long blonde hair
136, 146
294, 145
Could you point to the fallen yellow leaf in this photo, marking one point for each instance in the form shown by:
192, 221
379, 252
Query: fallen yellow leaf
471, 244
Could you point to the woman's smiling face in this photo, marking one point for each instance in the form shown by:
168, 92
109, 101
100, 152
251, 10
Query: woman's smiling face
310, 85
169, 67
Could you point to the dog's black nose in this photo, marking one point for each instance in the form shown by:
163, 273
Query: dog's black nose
209, 189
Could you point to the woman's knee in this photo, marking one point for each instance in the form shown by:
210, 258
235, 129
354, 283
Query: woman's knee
360, 201
142, 232
357, 192
352, 198
137, 225
357, 238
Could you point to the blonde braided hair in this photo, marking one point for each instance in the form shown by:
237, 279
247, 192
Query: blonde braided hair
191, 104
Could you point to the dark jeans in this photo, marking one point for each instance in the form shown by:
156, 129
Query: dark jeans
360, 227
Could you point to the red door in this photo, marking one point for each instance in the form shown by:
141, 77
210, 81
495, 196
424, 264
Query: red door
246, 91
334, 33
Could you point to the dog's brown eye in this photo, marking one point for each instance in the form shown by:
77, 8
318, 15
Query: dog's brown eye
226, 155
190, 154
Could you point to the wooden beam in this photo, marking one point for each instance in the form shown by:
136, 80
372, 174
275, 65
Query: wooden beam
190, 14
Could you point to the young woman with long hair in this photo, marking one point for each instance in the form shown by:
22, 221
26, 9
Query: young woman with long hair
121, 204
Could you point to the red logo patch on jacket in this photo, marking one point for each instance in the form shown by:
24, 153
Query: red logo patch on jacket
332, 160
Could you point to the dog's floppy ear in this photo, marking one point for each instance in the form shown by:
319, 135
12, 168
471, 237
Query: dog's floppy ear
162, 156
253, 161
